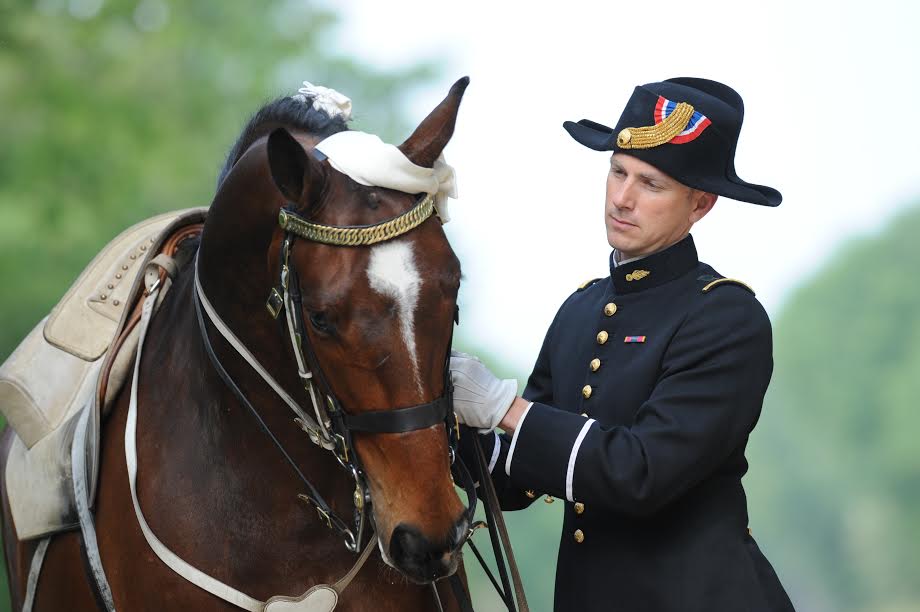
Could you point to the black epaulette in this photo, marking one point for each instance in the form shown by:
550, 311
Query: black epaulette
587, 284
713, 281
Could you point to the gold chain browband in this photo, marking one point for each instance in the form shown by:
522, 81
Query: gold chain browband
358, 235
658, 134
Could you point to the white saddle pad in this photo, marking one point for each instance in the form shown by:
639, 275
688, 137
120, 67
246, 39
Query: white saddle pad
53, 374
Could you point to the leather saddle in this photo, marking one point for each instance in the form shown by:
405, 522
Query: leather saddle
76, 360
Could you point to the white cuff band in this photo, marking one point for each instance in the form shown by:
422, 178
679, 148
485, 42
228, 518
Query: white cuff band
517, 430
496, 451
570, 471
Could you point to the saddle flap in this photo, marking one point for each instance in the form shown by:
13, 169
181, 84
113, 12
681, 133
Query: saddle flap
40, 384
86, 319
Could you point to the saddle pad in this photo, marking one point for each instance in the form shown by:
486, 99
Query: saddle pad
39, 381
52, 377
40, 384
39, 483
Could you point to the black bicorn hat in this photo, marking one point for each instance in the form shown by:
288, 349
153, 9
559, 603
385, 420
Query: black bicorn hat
686, 127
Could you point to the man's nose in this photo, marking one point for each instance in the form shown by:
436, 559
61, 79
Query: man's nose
622, 196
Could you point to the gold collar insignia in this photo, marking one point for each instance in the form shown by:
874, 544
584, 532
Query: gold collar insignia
637, 275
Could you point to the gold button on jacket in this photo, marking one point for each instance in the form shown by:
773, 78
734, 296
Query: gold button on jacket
529, 493
586, 391
595, 364
602, 337
610, 309
579, 536
579, 507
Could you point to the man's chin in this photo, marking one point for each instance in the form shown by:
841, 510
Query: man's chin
616, 241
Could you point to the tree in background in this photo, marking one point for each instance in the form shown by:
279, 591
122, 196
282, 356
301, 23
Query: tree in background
835, 484
120, 109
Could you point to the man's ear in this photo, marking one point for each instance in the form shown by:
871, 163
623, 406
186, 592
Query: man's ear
294, 171
702, 203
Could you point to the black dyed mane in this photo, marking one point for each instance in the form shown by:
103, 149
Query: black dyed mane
283, 112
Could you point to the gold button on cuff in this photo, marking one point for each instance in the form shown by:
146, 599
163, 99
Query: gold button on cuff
579, 536
579, 507
529, 493
595, 364
610, 309
549, 499
586, 391
602, 337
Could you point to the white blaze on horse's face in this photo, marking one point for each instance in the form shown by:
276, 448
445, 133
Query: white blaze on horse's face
392, 273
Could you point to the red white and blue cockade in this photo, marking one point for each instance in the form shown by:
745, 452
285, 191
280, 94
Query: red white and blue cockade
697, 124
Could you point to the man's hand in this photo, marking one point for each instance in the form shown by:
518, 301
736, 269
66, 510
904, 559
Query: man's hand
480, 399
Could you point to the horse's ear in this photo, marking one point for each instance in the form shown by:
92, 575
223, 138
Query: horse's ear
428, 140
293, 171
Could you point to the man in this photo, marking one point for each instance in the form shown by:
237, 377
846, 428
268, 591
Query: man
649, 382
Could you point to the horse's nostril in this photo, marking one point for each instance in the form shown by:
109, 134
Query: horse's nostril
458, 533
408, 545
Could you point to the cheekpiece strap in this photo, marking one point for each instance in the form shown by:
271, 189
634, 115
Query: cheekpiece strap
357, 235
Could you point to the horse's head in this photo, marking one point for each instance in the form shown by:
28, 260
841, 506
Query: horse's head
378, 323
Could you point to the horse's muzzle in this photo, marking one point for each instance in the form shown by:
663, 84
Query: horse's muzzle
420, 559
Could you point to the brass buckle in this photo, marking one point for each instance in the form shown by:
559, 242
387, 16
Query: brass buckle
323, 515
274, 303
341, 443
313, 434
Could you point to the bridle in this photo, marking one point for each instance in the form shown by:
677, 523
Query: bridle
329, 426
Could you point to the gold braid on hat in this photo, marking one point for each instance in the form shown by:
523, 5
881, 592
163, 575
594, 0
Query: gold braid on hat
658, 134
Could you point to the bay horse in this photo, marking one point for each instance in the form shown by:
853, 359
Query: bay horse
212, 486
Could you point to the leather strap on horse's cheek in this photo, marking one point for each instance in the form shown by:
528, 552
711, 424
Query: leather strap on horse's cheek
400, 420
462, 474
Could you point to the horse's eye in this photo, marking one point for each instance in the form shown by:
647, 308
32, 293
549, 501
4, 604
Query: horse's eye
320, 323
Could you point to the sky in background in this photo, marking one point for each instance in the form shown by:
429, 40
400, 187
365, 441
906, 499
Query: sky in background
829, 89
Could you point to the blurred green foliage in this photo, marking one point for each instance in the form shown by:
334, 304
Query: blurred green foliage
834, 487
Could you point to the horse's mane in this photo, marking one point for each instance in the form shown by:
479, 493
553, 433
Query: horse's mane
282, 112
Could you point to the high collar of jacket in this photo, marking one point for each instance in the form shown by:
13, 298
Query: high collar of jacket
654, 270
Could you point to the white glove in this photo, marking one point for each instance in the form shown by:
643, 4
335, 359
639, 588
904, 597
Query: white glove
480, 399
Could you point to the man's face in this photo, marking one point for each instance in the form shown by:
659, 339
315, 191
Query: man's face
646, 210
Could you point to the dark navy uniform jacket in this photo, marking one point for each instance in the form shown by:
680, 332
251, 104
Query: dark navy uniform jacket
644, 393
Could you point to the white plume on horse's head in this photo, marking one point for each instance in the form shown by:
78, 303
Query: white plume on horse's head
326, 99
